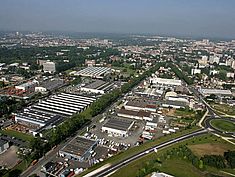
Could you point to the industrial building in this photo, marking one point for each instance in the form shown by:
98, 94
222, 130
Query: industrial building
27, 86
65, 104
118, 127
4, 145
174, 104
140, 105
36, 119
98, 87
218, 92
79, 148
94, 72
165, 82
49, 85
49, 67
52, 111
139, 115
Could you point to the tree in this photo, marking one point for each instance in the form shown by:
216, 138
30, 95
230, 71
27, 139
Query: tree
230, 157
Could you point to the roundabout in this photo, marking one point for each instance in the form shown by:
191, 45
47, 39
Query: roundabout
223, 125
226, 126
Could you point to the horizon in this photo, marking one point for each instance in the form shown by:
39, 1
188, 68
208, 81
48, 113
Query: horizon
187, 19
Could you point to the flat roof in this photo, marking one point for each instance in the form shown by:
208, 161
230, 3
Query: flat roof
134, 113
52, 83
78, 146
119, 124
93, 71
216, 91
38, 116
65, 104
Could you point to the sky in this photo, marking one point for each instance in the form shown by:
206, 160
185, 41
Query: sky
199, 18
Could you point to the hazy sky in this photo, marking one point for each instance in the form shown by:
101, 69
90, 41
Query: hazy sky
215, 18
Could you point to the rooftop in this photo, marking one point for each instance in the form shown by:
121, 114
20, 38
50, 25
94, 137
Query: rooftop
119, 124
78, 146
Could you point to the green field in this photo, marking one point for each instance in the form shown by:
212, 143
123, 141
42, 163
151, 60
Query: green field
174, 166
16, 134
223, 108
223, 125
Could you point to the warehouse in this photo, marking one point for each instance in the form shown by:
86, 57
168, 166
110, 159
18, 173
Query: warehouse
174, 104
165, 82
36, 119
139, 115
98, 87
118, 127
218, 92
27, 86
78, 148
64, 104
50, 85
94, 72
140, 105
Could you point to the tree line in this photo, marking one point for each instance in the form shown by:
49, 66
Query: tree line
180, 74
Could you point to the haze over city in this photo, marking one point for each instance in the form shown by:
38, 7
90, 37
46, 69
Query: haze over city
117, 88
188, 18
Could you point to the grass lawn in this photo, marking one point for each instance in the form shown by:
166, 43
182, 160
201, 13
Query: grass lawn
177, 167
184, 113
17, 134
206, 149
180, 168
230, 110
223, 125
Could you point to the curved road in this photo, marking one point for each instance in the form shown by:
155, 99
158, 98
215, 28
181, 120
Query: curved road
112, 168
207, 127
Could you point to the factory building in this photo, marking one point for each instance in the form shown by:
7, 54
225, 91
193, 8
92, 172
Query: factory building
64, 104
217, 92
79, 148
118, 127
27, 86
49, 67
94, 72
36, 119
52, 111
138, 115
140, 105
97, 87
165, 82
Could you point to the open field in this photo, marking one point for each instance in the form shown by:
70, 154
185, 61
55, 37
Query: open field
230, 110
223, 125
17, 134
209, 149
177, 167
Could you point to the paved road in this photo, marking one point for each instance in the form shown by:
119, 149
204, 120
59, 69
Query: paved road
112, 168
207, 127
52, 154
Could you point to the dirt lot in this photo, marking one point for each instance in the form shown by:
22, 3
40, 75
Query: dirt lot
9, 158
209, 149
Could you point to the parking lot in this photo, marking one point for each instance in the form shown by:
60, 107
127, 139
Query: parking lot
9, 158
132, 138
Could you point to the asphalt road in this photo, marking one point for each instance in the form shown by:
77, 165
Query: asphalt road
207, 127
51, 154
112, 168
